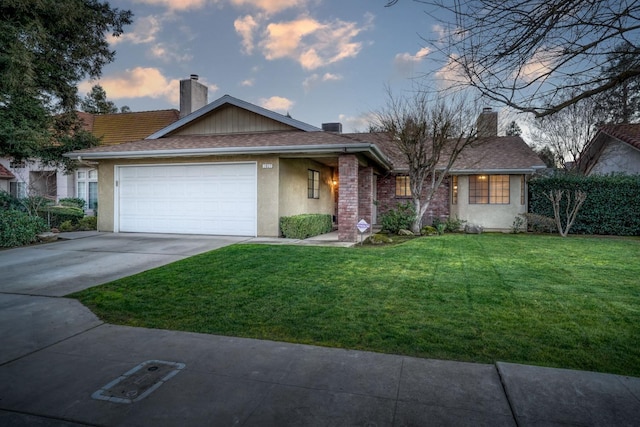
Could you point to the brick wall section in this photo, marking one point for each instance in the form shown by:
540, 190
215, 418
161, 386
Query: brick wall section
348, 198
387, 199
365, 193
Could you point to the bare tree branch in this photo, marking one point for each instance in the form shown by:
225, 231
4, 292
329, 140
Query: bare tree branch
521, 52
431, 133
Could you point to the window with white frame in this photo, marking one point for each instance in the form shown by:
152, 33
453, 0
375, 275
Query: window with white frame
87, 187
18, 189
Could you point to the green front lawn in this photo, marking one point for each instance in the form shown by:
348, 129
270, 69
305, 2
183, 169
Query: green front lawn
542, 300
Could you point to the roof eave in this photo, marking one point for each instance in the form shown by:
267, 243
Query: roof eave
495, 171
365, 148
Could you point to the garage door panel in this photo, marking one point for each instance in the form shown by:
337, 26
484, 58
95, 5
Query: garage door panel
190, 199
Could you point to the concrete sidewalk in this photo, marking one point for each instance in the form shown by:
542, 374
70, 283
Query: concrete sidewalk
58, 363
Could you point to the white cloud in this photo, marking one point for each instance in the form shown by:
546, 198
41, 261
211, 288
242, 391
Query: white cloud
169, 53
408, 58
245, 27
144, 30
314, 79
405, 62
313, 44
141, 82
270, 6
451, 74
359, 123
541, 63
276, 103
178, 4
248, 82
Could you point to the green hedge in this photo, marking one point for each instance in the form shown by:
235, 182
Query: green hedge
18, 228
73, 201
306, 225
56, 215
611, 207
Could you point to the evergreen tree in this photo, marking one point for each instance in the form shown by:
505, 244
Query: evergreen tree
96, 102
514, 129
46, 48
622, 103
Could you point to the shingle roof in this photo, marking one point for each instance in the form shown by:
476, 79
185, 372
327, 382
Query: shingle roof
499, 153
247, 143
6, 173
486, 154
127, 127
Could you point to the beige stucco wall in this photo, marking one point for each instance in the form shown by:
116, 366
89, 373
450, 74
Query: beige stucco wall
293, 188
267, 175
490, 216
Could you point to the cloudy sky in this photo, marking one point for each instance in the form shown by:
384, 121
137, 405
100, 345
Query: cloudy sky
318, 60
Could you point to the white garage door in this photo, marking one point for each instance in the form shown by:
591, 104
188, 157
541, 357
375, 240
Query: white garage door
217, 199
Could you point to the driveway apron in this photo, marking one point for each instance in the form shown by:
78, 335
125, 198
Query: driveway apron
64, 267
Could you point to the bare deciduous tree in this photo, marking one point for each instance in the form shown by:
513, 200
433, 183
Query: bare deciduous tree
431, 133
522, 52
567, 131
571, 210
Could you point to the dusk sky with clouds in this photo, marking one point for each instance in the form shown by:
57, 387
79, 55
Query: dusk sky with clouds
318, 60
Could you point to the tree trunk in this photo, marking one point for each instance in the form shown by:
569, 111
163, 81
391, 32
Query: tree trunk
417, 220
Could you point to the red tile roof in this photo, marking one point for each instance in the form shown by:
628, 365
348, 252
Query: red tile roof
87, 120
126, 127
629, 133
6, 173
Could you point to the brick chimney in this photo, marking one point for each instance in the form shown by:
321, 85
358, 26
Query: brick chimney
487, 123
193, 95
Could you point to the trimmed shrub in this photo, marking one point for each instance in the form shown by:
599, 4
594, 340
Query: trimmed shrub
88, 223
56, 215
73, 202
399, 218
18, 228
428, 230
449, 225
378, 239
611, 207
305, 225
66, 226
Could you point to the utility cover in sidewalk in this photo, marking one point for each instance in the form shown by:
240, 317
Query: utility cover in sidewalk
139, 382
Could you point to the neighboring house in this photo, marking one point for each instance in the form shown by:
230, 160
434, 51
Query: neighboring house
614, 149
234, 168
32, 178
5, 178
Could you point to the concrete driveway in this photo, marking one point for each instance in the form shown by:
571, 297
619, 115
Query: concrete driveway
63, 267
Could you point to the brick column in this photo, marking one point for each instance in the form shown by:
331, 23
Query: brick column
348, 198
365, 194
